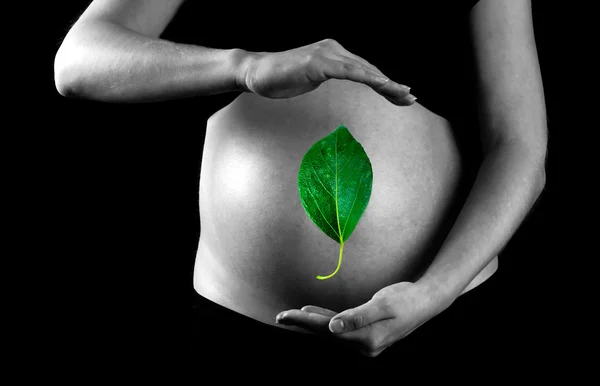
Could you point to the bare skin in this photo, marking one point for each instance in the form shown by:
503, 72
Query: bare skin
259, 252
113, 54
511, 177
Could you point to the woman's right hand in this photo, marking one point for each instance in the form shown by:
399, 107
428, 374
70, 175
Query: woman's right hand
298, 71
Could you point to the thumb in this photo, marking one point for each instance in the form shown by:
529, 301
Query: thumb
356, 318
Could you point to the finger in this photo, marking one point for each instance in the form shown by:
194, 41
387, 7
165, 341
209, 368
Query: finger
359, 317
309, 320
339, 50
402, 89
407, 101
369, 338
319, 310
347, 55
350, 69
396, 93
396, 90
341, 54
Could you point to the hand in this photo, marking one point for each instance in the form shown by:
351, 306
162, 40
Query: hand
393, 313
294, 72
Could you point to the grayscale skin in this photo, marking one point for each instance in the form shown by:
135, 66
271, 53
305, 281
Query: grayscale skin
258, 252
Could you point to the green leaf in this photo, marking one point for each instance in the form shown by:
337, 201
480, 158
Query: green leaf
334, 183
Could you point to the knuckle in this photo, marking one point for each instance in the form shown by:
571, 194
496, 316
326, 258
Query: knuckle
382, 303
357, 321
348, 67
331, 41
311, 57
313, 61
385, 304
383, 293
316, 54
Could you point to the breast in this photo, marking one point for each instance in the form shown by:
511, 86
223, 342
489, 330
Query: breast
255, 235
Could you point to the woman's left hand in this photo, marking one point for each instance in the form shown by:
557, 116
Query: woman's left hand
391, 314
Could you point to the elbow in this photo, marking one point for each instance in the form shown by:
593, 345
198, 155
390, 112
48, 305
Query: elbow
541, 179
540, 162
65, 72
531, 156
537, 162
76, 77
73, 68
60, 82
64, 86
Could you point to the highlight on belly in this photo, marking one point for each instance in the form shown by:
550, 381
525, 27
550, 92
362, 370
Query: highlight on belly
334, 182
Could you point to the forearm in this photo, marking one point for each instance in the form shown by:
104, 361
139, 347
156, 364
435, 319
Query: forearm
508, 183
105, 61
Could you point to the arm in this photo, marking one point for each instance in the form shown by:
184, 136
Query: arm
513, 136
113, 53
510, 178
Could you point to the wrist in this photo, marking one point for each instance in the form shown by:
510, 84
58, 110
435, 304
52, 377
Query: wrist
243, 59
440, 294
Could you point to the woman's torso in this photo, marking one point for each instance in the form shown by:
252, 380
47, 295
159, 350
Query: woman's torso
259, 252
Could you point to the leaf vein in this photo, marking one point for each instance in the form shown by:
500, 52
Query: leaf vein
324, 218
319, 178
347, 147
337, 210
354, 202
349, 159
325, 159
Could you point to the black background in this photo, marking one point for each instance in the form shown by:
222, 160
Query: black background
118, 218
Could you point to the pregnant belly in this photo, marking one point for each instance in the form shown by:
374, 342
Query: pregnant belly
259, 252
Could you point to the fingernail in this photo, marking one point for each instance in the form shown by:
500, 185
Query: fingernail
411, 98
405, 88
381, 79
337, 326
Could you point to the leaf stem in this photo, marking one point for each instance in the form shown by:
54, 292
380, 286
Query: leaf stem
338, 266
